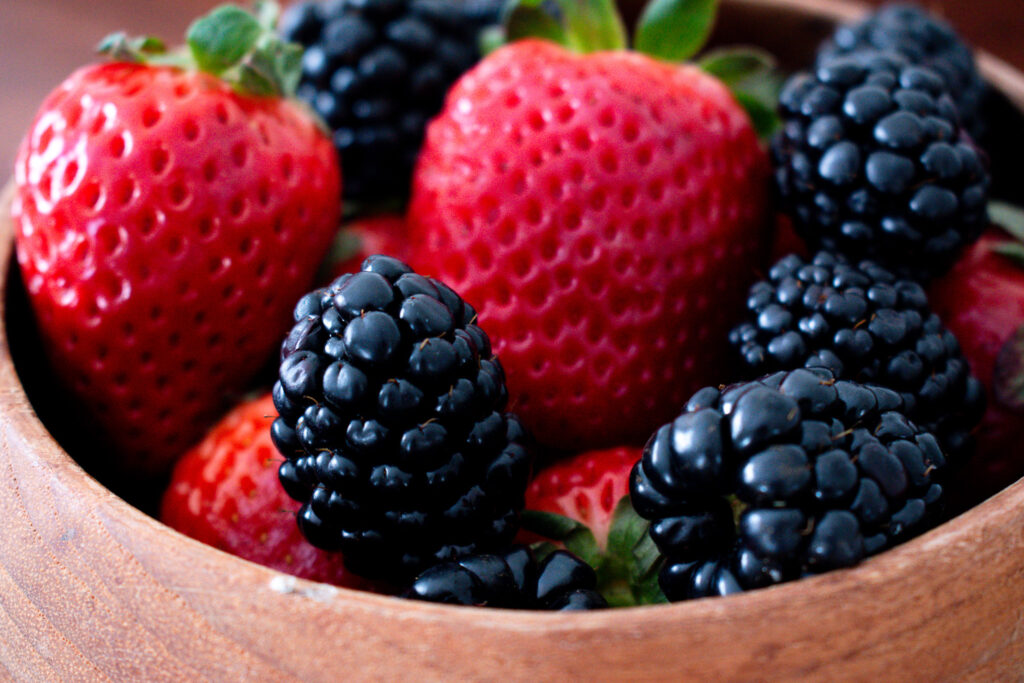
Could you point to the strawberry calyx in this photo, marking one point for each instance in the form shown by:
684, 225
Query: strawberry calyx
627, 570
581, 26
238, 46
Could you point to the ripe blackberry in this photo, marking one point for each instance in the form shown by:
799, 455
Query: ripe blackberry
514, 579
925, 40
795, 473
376, 71
866, 325
871, 162
391, 422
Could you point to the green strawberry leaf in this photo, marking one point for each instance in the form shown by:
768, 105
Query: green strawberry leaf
579, 25
1008, 374
736, 65
593, 25
271, 68
753, 76
1011, 250
576, 537
548, 524
220, 39
542, 549
122, 48
627, 529
491, 38
1008, 217
674, 30
647, 557
763, 117
528, 19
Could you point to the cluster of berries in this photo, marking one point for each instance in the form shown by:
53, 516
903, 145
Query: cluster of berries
606, 214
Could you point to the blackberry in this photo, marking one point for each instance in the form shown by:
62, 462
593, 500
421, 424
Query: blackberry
392, 424
867, 325
796, 473
926, 40
376, 71
514, 579
871, 162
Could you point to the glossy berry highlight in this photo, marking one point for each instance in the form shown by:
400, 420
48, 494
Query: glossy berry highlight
796, 473
872, 163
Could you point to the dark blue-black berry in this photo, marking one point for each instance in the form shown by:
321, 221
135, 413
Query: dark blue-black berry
871, 162
926, 40
805, 474
393, 427
376, 71
867, 325
513, 580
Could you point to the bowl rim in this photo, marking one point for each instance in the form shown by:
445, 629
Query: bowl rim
946, 547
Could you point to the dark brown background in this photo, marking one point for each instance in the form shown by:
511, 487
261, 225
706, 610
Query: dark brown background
41, 41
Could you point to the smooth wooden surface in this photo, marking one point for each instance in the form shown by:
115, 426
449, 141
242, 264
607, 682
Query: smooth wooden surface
42, 41
91, 588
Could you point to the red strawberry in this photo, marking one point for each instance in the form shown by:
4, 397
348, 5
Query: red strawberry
381, 234
583, 504
167, 222
225, 492
982, 301
604, 213
587, 488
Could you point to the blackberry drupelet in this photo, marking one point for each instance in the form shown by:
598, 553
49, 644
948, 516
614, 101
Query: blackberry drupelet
514, 579
392, 424
925, 40
376, 71
872, 163
795, 473
866, 325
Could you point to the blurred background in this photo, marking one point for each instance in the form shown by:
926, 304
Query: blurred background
42, 41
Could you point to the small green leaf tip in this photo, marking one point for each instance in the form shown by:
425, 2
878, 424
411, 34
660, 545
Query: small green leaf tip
754, 78
220, 39
1008, 217
674, 30
579, 25
122, 48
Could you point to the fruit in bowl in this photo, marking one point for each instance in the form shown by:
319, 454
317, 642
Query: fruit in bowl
204, 603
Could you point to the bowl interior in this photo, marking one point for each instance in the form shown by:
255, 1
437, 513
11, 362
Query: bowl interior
959, 583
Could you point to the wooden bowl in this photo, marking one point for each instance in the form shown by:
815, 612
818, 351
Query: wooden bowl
91, 587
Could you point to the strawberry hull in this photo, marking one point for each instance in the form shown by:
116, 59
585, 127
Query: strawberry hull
605, 234
163, 247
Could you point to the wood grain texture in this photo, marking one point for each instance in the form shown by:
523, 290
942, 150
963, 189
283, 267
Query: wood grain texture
92, 589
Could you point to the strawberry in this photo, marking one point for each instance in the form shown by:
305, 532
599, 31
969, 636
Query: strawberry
587, 488
604, 212
167, 220
982, 301
583, 504
384, 233
225, 493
